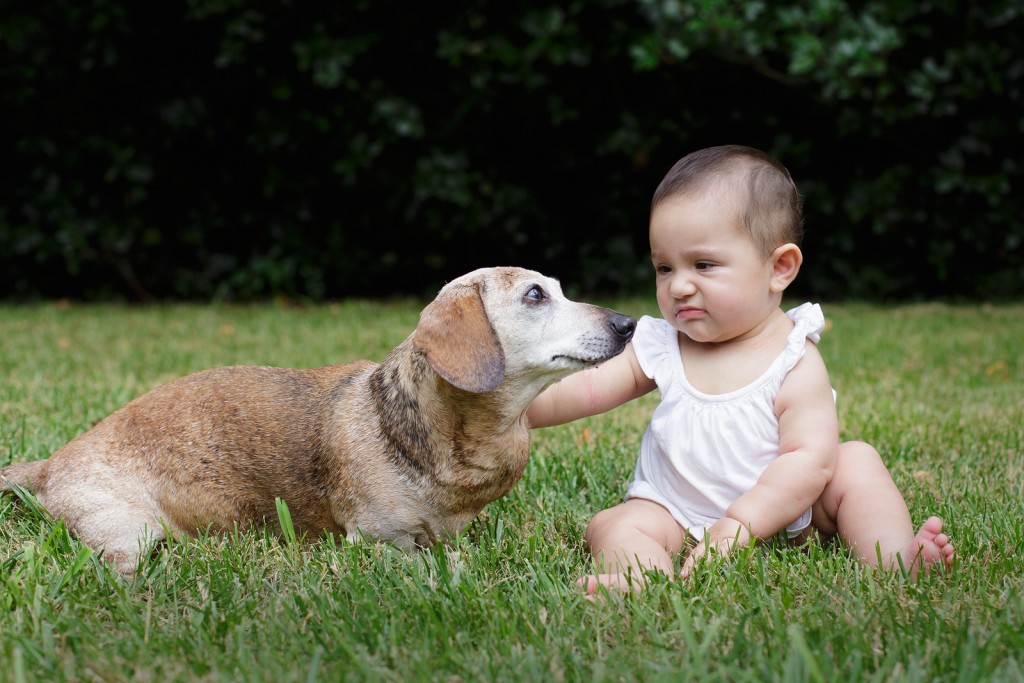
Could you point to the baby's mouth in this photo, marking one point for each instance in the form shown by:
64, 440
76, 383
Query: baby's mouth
689, 312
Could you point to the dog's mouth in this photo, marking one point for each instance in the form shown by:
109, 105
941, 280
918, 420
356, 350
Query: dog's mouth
576, 360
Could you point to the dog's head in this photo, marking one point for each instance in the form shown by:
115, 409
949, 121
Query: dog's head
495, 324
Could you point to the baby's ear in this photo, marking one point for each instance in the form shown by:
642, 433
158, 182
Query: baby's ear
786, 261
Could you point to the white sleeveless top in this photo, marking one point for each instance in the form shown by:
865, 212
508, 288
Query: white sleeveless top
703, 451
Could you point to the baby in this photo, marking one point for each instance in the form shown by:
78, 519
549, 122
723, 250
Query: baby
745, 441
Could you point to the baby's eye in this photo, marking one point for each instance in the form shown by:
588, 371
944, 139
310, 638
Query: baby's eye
704, 265
661, 268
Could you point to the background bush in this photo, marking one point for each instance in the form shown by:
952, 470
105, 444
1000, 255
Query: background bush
230, 149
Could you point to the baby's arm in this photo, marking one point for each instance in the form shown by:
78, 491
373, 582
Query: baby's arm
808, 447
591, 392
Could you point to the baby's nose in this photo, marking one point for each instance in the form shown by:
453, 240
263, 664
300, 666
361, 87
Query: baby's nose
682, 285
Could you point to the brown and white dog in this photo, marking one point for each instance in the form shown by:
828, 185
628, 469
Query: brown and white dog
407, 451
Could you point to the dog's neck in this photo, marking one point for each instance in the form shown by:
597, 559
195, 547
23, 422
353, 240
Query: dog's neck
464, 426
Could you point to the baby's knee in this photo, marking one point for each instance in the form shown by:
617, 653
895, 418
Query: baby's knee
636, 519
857, 449
858, 458
601, 523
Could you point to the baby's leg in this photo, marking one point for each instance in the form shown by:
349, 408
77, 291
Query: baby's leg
628, 539
863, 505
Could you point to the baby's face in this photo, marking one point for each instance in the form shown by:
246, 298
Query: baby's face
712, 283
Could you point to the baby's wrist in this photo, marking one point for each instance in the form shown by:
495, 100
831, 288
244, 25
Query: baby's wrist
743, 525
739, 532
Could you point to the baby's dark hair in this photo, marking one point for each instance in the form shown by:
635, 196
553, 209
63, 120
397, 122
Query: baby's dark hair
771, 211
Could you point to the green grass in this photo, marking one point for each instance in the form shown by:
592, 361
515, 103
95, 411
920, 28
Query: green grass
938, 389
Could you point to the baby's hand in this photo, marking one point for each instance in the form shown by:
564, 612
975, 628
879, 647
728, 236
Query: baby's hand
721, 537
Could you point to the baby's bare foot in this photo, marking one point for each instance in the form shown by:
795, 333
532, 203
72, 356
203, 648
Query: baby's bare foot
930, 549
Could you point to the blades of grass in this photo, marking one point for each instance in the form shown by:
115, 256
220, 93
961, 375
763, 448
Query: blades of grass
285, 518
31, 503
314, 666
699, 645
802, 663
148, 622
18, 665
82, 557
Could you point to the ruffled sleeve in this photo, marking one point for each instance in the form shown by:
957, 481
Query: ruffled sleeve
809, 322
653, 340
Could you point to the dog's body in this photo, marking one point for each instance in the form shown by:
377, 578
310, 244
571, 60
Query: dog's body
408, 451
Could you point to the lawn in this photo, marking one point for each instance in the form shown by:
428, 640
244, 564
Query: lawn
938, 389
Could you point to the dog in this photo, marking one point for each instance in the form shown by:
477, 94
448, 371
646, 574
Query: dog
407, 451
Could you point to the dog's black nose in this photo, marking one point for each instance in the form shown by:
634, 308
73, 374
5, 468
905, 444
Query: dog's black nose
623, 325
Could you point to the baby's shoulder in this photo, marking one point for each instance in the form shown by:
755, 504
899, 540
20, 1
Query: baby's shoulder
809, 375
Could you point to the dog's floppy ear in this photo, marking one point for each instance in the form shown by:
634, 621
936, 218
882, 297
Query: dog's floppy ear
458, 341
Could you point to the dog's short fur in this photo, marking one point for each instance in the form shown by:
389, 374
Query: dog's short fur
407, 451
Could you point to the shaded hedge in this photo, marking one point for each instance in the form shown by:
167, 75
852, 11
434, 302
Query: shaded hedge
229, 149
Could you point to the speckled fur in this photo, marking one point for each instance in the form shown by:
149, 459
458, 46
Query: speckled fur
407, 451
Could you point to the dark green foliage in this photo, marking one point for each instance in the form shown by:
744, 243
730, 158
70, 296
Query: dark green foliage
220, 148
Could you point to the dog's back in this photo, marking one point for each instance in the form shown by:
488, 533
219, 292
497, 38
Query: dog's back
216, 447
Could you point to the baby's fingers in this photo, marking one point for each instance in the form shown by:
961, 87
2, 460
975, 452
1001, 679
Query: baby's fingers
691, 559
724, 546
718, 546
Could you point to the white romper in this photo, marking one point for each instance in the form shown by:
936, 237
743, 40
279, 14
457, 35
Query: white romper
700, 451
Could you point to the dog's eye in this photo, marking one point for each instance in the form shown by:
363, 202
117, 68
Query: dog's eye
535, 293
